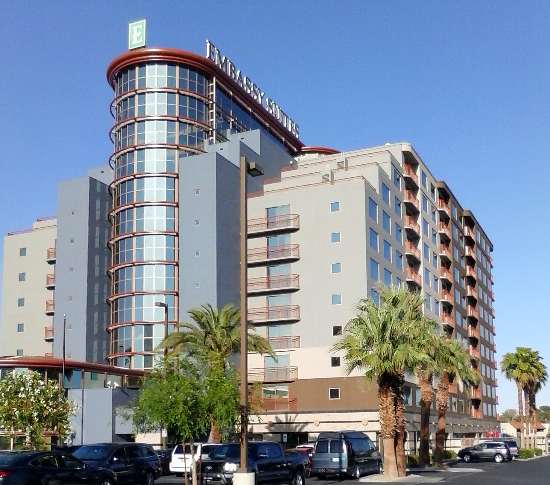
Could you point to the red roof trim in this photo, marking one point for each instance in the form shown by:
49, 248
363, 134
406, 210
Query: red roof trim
320, 150
207, 66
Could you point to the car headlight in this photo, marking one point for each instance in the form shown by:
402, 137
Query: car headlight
230, 467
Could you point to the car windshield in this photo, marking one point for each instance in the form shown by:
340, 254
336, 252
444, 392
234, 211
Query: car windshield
230, 450
179, 449
95, 453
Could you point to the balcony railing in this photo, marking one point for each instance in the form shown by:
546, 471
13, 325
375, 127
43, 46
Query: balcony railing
446, 297
269, 284
445, 274
288, 313
443, 206
470, 252
444, 251
447, 319
275, 253
473, 333
474, 352
411, 198
50, 255
285, 342
410, 175
444, 229
413, 277
412, 250
278, 404
273, 374
475, 393
471, 272
265, 225
50, 281
471, 292
472, 312
412, 224
48, 333
50, 307
469, 232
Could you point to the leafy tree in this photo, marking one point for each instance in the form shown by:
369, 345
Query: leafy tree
453, 362
508, 415
211, 338
543, 414
31, 406
380, 342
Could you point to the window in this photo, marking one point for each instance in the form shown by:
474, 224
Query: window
373, 270
434, 260
387, 251
386, 221
334, 206
335, 237
336, 299
19, 352
22, 251
22, 276
46, 461
387, 277
336, 268
385, 193
397, 205
396, 176
336, 330
426, 252
434, 237
20, 302
398, 260
334, 393
335, 361
427, 278
407, 395
373, 240
424, 203
20, 327
373, 210
374, 296
423, 178
425, 227
398, 233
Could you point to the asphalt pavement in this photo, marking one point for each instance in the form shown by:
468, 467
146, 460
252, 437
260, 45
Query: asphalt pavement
532, 472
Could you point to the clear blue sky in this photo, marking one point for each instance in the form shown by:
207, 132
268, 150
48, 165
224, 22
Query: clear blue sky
466, 82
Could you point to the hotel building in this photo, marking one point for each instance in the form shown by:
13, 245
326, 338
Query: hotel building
325, 229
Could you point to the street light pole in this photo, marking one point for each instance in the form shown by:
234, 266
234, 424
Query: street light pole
63, 362
165, 306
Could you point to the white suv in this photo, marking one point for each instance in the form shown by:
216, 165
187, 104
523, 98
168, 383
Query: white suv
181, 461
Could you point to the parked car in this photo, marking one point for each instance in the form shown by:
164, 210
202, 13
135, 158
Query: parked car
350, 453
309, 447
267, 459
303, 453
513, 446
47, 467
182, 461
129, 462
165, 455
497, 451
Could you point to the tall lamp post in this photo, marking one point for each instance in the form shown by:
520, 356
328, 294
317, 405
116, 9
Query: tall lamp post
243, 476
64, 347
165, 306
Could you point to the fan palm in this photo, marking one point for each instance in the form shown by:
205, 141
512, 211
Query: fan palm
525, 368
453, 362
380, 342
213, 336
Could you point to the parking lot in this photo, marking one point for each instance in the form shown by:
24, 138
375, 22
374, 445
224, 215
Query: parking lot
532, 472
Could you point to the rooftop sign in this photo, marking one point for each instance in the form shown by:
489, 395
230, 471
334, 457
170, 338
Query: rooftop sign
136, 34
251, 88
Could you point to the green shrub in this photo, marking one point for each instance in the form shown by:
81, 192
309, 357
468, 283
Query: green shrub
412, 460
538, 452
526, 453
449, 454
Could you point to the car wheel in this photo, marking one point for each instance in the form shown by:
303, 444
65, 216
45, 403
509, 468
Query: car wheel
498, 458
379, 468
298, 478
467, 458
106, 481
149, 479
356, 472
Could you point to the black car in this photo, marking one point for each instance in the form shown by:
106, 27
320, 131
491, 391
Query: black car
47, 467
130, 462
165, 455
497, 451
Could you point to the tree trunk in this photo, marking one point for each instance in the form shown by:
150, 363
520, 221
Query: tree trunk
387, 425
527, 419
214, 436
442, 400
12, 439
520, 416
533, 416
400, 433
185, 475
426, 398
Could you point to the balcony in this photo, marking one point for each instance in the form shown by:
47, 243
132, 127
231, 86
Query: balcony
273, 284
273, 374
472, 313
448, 320
273, 225
50, 281
471, 292
412, 251
273, 254
412, 225
272, 314
413, 277
50, 307
411, 200
269, 404
51, 255
469, 234
444, 231
443, 208
474, 353
446, 297
469, 252
473, 333
410, 177
471, 272
285, 343
475, 393
444, 252
445, 274
48, 333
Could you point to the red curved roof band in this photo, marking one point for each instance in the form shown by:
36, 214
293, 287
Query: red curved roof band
320, 150
148, 55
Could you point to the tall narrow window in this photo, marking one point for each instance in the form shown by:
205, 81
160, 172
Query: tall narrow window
335, 237
373, 270
336, 299
22, 276
334, 206
336, 268
373, 240
385, 193
373, 210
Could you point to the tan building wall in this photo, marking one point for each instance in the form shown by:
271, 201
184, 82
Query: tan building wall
28, 290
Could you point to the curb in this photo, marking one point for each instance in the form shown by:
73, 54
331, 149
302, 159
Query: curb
531, 459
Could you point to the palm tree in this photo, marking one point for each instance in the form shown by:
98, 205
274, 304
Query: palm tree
453, 362
379, 341
525, 368
213, 336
